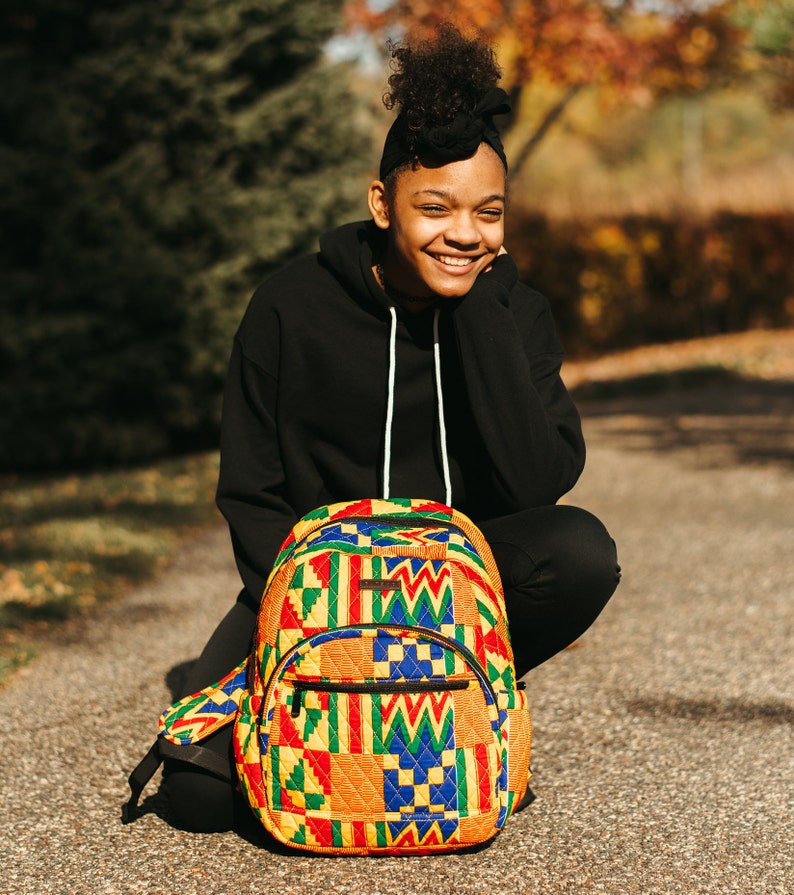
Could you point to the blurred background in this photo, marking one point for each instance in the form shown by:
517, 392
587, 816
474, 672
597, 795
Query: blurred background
159, 157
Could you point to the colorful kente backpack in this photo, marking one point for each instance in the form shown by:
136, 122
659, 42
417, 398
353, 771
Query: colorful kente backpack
379, 710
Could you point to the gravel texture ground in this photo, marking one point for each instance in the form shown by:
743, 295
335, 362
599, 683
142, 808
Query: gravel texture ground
664, 739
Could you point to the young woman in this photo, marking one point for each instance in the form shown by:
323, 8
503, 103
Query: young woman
334, 371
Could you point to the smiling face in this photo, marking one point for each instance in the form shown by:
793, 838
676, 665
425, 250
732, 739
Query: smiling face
445, 225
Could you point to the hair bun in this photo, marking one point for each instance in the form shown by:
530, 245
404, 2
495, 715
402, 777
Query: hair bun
436, 80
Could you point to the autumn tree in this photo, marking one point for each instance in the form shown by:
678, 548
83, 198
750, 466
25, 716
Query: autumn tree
770, 27
573, 44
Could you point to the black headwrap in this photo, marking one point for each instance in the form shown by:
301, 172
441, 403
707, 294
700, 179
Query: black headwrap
451, 142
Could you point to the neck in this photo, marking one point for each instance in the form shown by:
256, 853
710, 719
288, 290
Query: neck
407, 301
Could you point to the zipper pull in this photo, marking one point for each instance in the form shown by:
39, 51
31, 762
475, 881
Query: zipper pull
296, 701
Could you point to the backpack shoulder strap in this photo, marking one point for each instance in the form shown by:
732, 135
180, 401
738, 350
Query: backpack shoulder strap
198, 756
182, 726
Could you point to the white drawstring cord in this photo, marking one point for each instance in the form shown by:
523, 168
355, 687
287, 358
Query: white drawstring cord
440, 398
390, 402
390, 406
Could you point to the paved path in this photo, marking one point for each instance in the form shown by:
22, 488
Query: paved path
664, 742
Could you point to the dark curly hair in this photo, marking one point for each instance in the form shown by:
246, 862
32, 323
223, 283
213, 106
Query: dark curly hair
436, 79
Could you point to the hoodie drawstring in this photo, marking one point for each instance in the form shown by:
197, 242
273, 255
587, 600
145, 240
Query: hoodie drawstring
390, 402
442, 428
439, 399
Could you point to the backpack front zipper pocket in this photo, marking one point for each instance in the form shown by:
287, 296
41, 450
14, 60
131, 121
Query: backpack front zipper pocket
370, 730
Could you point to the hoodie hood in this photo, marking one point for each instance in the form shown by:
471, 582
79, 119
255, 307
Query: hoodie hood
349, 252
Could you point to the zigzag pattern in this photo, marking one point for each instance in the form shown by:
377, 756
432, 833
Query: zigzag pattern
195, 717
424, 597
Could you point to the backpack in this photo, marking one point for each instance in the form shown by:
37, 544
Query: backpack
378, 711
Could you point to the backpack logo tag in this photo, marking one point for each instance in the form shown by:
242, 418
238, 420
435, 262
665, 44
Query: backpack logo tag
378, 584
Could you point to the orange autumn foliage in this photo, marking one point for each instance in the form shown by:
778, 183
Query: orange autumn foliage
576, 43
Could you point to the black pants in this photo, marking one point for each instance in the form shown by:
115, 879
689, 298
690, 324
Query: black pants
559, 568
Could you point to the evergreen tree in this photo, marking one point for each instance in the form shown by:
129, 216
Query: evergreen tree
157, 158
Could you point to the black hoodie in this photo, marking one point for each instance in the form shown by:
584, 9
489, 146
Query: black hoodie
305, 407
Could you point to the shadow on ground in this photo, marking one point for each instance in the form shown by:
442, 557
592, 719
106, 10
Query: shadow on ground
175, 678
720, 416
724, 711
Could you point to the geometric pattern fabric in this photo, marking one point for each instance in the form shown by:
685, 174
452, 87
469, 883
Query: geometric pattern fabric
378, 712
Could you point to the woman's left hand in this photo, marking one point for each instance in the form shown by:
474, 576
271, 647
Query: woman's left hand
502, 251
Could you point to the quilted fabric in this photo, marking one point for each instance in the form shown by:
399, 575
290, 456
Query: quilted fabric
378, 711
197, 716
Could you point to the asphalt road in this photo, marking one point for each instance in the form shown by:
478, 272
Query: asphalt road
664, 740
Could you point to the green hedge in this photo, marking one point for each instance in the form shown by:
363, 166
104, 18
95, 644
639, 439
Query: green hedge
639, 280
